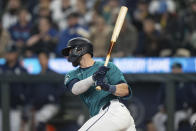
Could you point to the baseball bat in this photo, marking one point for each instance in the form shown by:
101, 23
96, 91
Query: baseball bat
115, 34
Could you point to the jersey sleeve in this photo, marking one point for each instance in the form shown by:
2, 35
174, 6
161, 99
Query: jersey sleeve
69, 77
115, 77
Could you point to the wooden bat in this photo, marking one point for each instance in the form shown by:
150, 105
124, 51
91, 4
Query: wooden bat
116, 32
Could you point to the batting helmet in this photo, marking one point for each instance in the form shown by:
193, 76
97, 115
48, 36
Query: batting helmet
76, 48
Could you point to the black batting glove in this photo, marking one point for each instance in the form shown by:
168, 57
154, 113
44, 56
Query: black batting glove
104, 86
100, 73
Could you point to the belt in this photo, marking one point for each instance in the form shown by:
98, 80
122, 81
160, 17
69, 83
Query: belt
106, 105
109, 102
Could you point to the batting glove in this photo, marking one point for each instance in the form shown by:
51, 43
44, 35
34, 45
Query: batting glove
100, 73
106, 87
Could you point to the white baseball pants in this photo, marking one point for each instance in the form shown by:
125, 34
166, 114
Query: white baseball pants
116, 117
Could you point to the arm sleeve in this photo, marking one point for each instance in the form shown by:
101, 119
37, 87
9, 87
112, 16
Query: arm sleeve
115, 77
77, 86
82, 86
71, 83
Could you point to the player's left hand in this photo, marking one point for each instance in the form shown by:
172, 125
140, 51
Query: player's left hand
104, 86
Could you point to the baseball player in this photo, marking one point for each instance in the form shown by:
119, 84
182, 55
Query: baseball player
106, 111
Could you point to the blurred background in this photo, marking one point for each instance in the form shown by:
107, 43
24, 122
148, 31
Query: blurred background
156, 51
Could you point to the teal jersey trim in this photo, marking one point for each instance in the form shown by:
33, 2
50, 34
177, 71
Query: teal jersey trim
96, 99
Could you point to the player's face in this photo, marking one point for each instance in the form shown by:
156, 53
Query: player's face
74, 56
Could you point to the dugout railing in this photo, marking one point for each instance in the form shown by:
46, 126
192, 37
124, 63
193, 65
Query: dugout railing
169, 79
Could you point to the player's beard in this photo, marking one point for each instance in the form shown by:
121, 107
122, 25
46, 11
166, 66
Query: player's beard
75, 63
74, 60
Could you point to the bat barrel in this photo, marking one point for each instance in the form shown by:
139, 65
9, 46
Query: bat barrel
117, 29
119, 23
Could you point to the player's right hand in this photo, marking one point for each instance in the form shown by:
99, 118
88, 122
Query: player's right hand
104, 86
100, 73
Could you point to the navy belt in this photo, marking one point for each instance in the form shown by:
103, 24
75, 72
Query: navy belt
106, 105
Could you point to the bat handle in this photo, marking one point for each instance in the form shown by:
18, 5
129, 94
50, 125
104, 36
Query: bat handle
98, 88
